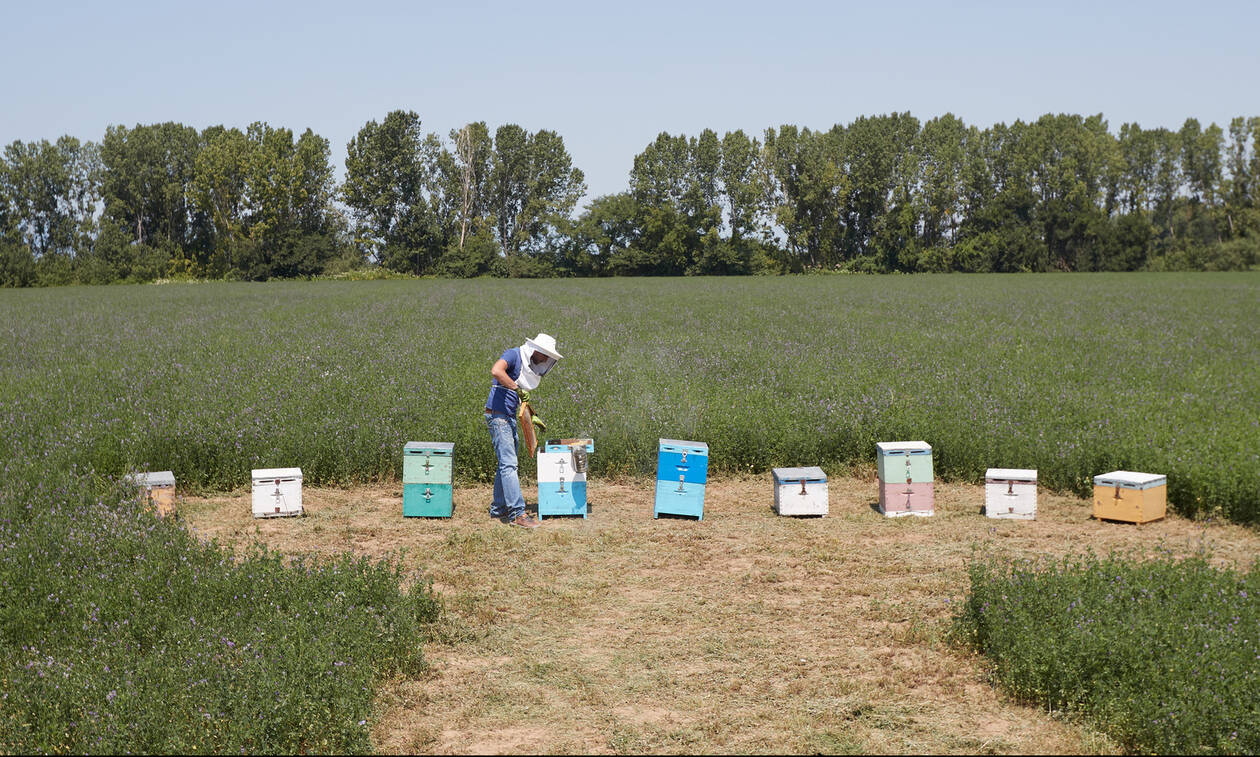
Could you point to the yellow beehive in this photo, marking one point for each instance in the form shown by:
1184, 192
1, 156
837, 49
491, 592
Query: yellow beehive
1130, 497
156, 490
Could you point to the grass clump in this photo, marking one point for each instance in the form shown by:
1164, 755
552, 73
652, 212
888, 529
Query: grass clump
122, 632
1162, 654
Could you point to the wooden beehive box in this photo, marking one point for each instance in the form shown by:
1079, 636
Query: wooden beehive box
562, 476
906, 485
682, 470
428, 489
277, 492
1130, 497
156, 489
1010, 493
800, 491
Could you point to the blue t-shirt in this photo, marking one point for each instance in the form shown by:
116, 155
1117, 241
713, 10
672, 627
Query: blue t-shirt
502, 399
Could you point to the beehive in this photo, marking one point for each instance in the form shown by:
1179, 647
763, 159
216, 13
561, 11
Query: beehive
682, 470
1131, 497
277, 492
156, 489
1010, 493
905, 478
562, 476
800, 491
428, 491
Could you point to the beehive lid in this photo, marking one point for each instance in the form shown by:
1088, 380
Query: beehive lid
678, 445
899, 448
1010, 474
564, 445
429, 448
1130, 480
270, 474
811, 475
159, 478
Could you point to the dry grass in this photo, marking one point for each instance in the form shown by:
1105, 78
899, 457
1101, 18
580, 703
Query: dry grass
744, 632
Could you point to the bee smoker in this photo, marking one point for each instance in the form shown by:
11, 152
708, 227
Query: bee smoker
579, 458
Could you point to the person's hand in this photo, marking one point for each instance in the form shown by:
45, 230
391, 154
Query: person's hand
524, 395
538, 423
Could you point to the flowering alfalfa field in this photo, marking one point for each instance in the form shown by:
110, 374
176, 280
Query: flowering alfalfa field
120, 632
1074, 375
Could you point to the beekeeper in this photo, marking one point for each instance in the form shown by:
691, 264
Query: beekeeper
514, 375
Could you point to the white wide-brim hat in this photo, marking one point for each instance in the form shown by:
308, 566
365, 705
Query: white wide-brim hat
546, 344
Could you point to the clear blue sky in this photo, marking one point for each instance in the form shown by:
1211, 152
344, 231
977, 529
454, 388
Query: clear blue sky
609, 77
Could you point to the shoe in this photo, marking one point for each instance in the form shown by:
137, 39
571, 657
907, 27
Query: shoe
523, 521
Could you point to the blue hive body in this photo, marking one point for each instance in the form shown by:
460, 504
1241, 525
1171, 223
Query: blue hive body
561, 498
682, 470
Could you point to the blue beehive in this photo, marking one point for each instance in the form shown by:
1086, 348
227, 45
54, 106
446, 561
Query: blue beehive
562, 476
682, 470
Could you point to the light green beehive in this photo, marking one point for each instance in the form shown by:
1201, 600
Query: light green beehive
427, 488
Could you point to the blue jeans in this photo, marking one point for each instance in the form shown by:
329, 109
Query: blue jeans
508, 500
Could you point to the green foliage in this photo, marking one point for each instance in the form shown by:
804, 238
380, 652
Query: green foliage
532, 184
1161, 654
17, 265
522, 267
122, 632
48, 194
1234, 255
479, 255
883, 193
146, 174
393, 188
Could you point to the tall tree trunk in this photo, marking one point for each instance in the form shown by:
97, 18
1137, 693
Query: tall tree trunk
463, 145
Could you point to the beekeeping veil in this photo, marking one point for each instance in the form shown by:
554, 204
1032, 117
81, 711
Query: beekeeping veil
531, 374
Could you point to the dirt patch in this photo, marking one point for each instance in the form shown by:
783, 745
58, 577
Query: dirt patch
743, 632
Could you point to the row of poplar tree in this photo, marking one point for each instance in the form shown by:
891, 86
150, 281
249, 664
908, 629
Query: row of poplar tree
883, 193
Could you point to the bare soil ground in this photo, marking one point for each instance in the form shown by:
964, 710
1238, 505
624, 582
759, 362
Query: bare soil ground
743, 632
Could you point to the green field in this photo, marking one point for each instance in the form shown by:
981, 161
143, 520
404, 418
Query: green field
1074, 375
120, 631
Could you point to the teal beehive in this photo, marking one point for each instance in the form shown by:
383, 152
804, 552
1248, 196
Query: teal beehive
427, 487
682, 470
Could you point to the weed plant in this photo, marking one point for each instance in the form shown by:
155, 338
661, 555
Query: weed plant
121, 632
1161, 654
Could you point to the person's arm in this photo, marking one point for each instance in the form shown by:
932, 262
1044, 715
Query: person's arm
499, 372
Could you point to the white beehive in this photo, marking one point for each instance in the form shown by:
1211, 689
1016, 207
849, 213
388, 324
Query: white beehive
1010, 493
800, 491
277, 492
562, 476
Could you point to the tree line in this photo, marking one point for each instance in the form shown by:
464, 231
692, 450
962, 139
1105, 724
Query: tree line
881, 194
